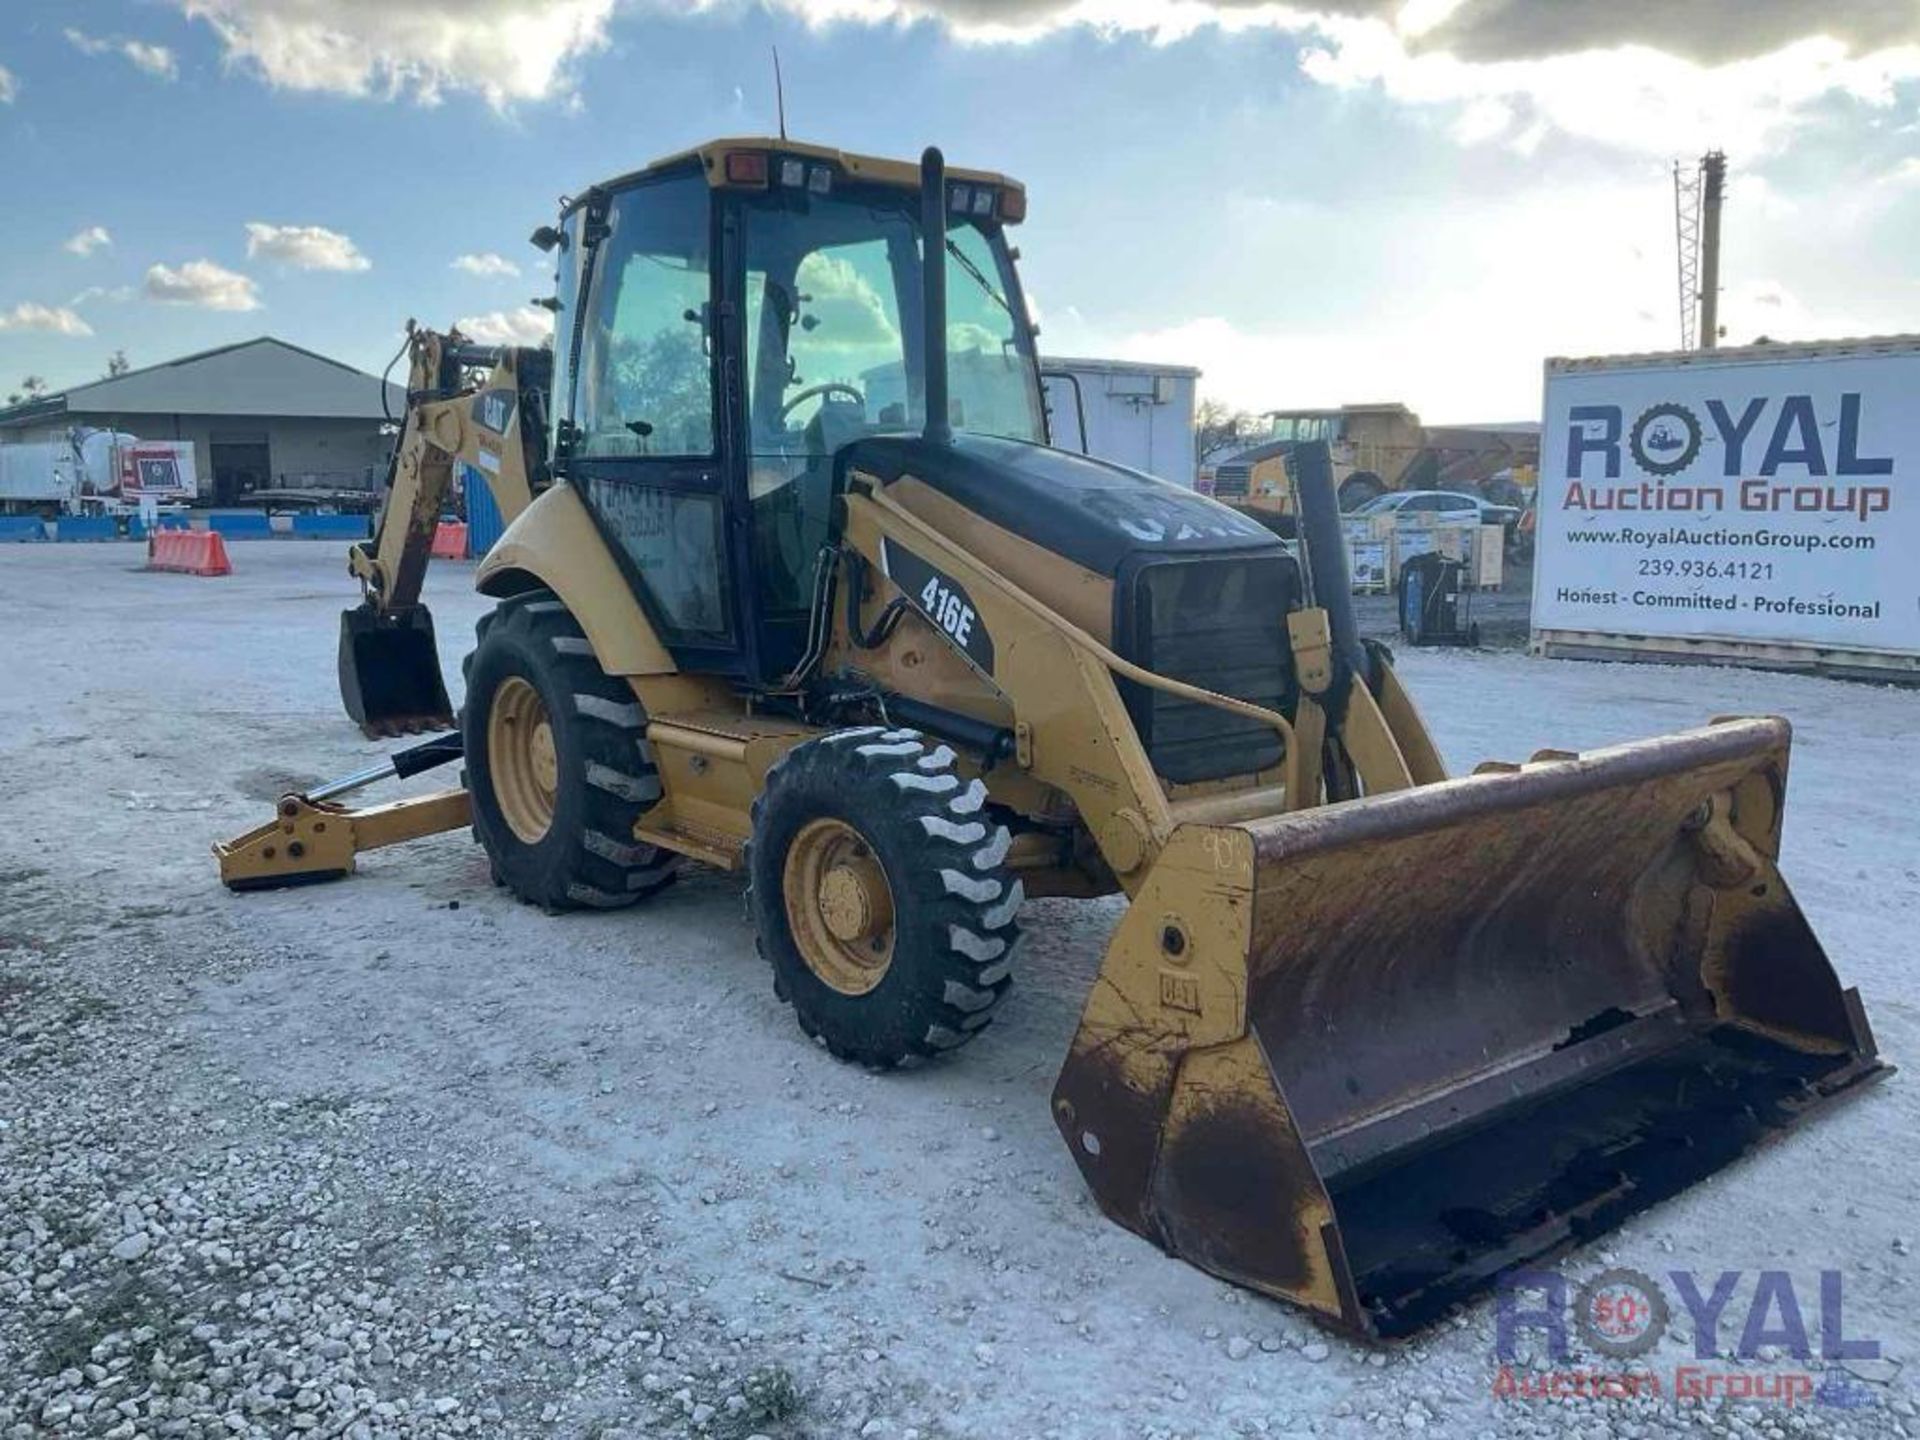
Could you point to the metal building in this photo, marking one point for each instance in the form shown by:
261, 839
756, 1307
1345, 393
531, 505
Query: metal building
268, 420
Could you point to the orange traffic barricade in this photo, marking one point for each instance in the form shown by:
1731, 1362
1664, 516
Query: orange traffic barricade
450, 540
188, 552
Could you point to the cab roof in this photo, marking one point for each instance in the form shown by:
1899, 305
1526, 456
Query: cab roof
873, 169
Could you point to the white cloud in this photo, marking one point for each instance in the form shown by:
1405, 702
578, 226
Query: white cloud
526, 325
85, 242
9, 87
1589, 258
1634, 98
1454, 316
116, 293
1022, 21
1655, 77
848, 311
1710, 31
157, 60
1907, 172
502, 50
202, 283
1763, 307
56, 319
488, 264
304, 247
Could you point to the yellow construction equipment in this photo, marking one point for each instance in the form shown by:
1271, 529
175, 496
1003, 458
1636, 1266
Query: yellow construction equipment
476, 408
804, 594
1375, 449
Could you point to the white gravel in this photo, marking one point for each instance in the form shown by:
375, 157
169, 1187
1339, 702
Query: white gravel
401, 1157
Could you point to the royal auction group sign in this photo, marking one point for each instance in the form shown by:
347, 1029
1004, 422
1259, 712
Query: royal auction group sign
1750, 496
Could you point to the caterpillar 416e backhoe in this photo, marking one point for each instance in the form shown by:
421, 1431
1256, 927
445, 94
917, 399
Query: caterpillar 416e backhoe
794, 587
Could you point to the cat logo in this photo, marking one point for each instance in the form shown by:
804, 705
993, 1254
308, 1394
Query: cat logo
493, 409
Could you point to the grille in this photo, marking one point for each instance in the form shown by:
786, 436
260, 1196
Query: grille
1230, 481
1218, 623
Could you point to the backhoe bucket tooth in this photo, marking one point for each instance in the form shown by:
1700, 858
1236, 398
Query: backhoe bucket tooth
390, 672
1368, 1056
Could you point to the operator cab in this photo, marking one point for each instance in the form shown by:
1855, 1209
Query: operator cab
729, 321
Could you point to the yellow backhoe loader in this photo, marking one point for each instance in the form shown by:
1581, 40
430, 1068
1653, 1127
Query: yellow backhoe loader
801, 592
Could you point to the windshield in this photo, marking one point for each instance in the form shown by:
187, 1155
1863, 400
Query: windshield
1300, 427
834, 328
1380, 504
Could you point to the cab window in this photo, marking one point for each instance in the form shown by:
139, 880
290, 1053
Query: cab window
645, 382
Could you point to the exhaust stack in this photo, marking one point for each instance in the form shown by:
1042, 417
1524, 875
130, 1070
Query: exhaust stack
1323, 546
933, 293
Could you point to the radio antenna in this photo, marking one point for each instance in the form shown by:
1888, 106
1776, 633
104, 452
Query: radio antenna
779, 91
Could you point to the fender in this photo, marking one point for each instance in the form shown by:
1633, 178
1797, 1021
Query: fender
554, 544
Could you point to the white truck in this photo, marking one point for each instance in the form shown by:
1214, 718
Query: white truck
1758, 505
1134, 414
89, 471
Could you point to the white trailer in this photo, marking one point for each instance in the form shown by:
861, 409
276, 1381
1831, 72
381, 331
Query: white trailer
1134, 414
95, 472
38, 477
1754, 506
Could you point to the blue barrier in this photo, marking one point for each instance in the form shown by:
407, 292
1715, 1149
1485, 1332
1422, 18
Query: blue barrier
485, 524
241, 524
86, 527
331, 527
21, 527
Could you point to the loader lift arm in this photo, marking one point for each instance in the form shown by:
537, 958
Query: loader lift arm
483, 408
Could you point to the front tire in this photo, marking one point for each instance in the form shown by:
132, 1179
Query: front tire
557, 763
878, 884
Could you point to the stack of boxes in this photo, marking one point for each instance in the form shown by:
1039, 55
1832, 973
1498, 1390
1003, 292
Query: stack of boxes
1378, 545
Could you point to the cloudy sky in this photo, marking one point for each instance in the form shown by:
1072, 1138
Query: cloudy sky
1353, 200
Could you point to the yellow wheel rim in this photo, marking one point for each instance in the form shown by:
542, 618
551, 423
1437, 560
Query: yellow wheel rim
521, 759
839, 906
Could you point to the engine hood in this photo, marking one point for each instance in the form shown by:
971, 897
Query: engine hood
1096, 514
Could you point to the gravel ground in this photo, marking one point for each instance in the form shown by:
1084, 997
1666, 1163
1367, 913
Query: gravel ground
399, 1157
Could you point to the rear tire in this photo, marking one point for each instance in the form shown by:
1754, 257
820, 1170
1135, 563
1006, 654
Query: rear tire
933, 892
556, 810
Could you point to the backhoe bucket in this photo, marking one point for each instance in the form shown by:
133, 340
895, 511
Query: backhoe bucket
390, 672
1367, 1056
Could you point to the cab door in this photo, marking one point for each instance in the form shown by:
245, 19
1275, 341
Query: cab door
641, 435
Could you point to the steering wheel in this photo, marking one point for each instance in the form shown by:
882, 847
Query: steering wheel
827, 389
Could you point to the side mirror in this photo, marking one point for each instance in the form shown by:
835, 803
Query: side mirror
548, 238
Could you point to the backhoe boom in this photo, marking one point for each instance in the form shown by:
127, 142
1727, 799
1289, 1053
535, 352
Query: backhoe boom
480, 408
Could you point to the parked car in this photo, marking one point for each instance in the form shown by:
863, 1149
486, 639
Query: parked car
1450, 506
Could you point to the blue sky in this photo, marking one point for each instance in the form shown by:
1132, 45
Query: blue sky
1378, 199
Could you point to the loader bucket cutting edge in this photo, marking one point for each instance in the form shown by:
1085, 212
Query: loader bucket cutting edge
390, 672
1368, 1057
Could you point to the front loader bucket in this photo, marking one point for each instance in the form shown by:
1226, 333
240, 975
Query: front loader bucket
1366, 1057
390, 671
